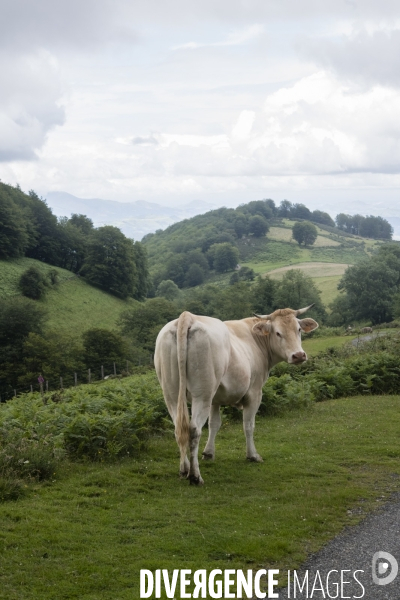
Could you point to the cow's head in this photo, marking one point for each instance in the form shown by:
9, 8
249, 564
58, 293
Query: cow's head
283, 329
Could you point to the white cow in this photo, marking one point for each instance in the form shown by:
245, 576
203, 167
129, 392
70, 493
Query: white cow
211, 363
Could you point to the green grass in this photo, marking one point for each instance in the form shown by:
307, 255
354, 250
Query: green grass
87, 534
72, 305
11, 270
315, 345
328, 288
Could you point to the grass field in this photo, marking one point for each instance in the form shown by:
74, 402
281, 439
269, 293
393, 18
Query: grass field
86, 534
283, 234
72, 305
312, 269
328, 288
315, 345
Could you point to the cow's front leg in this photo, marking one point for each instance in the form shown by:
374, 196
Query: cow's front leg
200, 412
214, 424
250, 409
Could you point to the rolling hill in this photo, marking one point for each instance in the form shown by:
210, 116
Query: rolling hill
71, 305
270, 255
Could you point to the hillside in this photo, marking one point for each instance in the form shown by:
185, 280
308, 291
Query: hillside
272, 254
72, 305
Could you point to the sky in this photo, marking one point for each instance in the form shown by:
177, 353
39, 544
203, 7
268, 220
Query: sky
221, 101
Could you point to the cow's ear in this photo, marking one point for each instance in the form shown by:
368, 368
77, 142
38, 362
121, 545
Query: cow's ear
308, 324
262, 328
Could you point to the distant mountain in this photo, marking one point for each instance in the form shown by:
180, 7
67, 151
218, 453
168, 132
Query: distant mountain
135, 219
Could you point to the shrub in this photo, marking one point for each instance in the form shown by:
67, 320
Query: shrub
32, 283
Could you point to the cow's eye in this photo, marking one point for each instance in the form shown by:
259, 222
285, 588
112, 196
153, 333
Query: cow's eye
278, 334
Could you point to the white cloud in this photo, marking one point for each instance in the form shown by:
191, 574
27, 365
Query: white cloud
370, 56
29, 104
234, 38
250, 114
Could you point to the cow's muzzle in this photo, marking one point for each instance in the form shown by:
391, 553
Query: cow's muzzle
299, 357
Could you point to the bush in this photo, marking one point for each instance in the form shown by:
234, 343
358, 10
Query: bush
92, 421
32, 283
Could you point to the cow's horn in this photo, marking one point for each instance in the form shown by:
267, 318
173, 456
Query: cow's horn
266, 317
303, 310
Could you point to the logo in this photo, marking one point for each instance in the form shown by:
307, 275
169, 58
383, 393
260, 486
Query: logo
384, 568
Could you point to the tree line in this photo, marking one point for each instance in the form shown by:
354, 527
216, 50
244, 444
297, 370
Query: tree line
104, 255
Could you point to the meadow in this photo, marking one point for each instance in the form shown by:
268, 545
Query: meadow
88, 531
72, 304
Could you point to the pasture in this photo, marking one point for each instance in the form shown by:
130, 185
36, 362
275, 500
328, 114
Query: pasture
318, 344
72, 305
283, 234
87, 532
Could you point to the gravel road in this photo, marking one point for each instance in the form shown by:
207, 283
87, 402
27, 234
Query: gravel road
353, 550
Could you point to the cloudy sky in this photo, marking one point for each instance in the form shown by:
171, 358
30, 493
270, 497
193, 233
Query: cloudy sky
222, 101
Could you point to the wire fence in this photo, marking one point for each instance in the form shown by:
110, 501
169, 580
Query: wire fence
102, 373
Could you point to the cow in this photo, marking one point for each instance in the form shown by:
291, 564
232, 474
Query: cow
366, 330
212, 363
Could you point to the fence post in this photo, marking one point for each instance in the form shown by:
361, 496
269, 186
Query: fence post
115, 369
76, 379
15, 393
47, 385
127, 367
31, 389
102, 372
89, 376
61, 383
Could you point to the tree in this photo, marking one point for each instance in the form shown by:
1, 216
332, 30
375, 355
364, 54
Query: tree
318, 216
110, 262
32, 283
241, 225
168, 289
371, 287
47, 247
305, 233
284, 209
223, 257
194, 275
297, 290
262, 295
299, 211
18, 318
53, 354
142, 269
258, 226
143, 322
13, 234
175, 269
81, 222
259, 207
232, 302
104, 348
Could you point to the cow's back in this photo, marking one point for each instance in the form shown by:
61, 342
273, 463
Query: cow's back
208, 353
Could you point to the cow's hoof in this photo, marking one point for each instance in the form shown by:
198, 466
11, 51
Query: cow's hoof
183, 474
255, 458
207, 456
195, 480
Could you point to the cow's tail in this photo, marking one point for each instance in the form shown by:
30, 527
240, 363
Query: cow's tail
182, 417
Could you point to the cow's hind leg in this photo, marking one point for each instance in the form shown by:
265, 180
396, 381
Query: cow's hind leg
200, 412
170, 401
250, 408
214, 424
